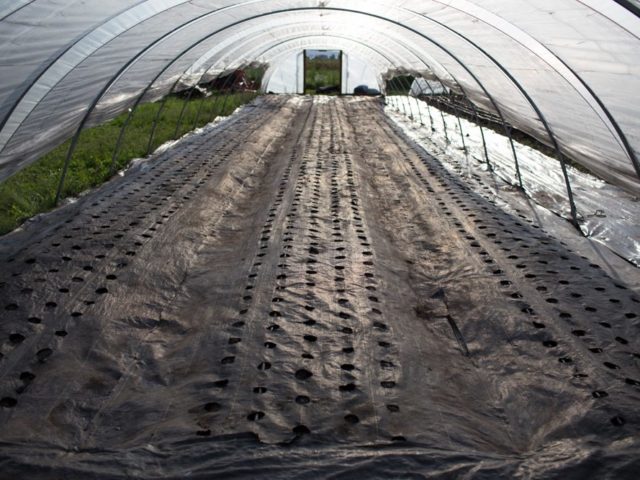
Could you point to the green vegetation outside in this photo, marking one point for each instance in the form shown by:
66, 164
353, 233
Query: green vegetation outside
33, 189
254, 76
323, 71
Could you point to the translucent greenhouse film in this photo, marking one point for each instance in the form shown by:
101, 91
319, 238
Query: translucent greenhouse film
426, 269
569, 65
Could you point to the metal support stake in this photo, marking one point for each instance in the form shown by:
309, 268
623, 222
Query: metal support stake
215, 102
444, 121
515, 156
572, 204
157, 117
394, 101
226, 98
116, 150
428, 112
457, 112
184, 107
475, 112
417, 103
404, 108
407, 89
202, 101
427, 103
413, 115
419, 111
394, 86
65, 167
400, 88
484, 142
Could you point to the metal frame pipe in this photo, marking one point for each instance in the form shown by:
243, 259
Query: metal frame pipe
182, 110
614, 123
407, 87
275, 12
168, 65
158, 114
433, 94
625, 143
457, 113
477, 117
629, 150
105, 89
537, 110
215, 103
33, 80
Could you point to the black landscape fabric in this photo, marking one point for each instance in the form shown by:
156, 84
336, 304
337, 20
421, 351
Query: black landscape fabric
301, 293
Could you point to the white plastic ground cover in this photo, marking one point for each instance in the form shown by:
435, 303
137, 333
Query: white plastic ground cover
607, 213
577, 60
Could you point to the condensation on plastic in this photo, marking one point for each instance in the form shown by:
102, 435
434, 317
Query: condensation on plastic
422, 86
545, 46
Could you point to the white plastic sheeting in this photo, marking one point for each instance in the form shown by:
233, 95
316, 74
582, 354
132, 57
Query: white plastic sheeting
607, 214
422, 86
573, 63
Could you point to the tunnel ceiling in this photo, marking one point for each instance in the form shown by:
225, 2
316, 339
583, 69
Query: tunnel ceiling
567, 71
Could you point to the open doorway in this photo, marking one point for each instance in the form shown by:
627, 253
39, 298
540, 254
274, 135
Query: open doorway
323, 72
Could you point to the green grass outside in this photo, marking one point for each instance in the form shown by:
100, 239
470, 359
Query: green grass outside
255, 75
33, 189
321, 72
